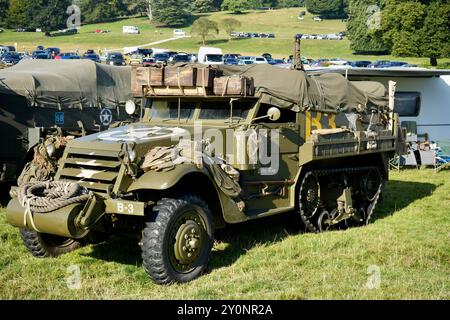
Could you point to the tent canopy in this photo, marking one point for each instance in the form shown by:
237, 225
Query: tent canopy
67, 84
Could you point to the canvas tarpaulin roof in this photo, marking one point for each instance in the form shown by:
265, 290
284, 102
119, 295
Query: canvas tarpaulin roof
295, 90
67, 84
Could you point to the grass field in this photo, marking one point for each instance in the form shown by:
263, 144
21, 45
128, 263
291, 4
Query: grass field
409, 242
282, 22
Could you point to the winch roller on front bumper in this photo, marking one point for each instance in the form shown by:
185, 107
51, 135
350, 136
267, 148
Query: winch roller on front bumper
64, 209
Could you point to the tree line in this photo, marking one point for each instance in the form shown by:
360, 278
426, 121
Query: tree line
22, 13
413, 28
404, 28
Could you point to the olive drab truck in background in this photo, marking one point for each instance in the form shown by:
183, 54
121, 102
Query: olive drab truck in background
217, 145
44, 103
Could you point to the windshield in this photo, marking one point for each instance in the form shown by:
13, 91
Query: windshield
214, 57
221, 110
115, 56
168, 110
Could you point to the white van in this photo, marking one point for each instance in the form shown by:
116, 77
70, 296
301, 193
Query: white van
209, 55
131, 30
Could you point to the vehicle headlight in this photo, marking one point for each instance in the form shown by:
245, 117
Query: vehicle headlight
130, 107
51, 149
111, 63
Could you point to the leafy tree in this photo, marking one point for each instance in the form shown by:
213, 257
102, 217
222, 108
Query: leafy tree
417, 28
328, 8
238, 6
172, 12
145, 7
4, 4
95, 11
230, 25
204, 6
437, 31
18, 14
269, 3
49, 15
203, 26
364, 26
291, 3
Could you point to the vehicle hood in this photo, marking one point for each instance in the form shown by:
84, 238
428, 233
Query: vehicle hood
144, 136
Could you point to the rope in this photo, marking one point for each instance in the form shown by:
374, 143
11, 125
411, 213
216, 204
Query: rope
45, 197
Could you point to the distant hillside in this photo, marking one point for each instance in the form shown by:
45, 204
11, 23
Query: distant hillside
283, 22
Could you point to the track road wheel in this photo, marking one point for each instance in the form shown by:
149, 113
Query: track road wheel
46, 245
309, 201
324, 221
177, 242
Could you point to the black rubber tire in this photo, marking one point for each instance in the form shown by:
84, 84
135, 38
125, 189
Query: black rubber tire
46, 246
156, 239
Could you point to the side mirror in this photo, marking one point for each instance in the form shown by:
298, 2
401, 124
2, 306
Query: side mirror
274, 114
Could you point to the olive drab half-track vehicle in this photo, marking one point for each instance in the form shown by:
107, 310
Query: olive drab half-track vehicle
216, 146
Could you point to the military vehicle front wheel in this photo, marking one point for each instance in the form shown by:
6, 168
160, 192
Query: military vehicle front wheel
177, 242
45, 245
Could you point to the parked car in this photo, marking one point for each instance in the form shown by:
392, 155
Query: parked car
161, 58
318, 19
11, 58
231, 56
144, 52
3, 50
179, 33
360, 64
67, 56
397, 64
53, 52
338, 62
231, 61
93, 56
148, 62
380, 64
259, 60
320, 63
136, 59
333, 36
245, 62
115, 59
40, 54
181, 58
268, 56
275, 62
408, 65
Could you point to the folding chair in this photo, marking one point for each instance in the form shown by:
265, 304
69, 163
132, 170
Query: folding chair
442, 156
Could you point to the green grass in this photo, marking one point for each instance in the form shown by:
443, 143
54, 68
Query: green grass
268, 259
283, 23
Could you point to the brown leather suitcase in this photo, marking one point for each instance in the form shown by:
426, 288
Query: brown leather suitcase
234, 86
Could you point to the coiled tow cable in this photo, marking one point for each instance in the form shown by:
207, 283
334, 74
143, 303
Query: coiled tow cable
45, 197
